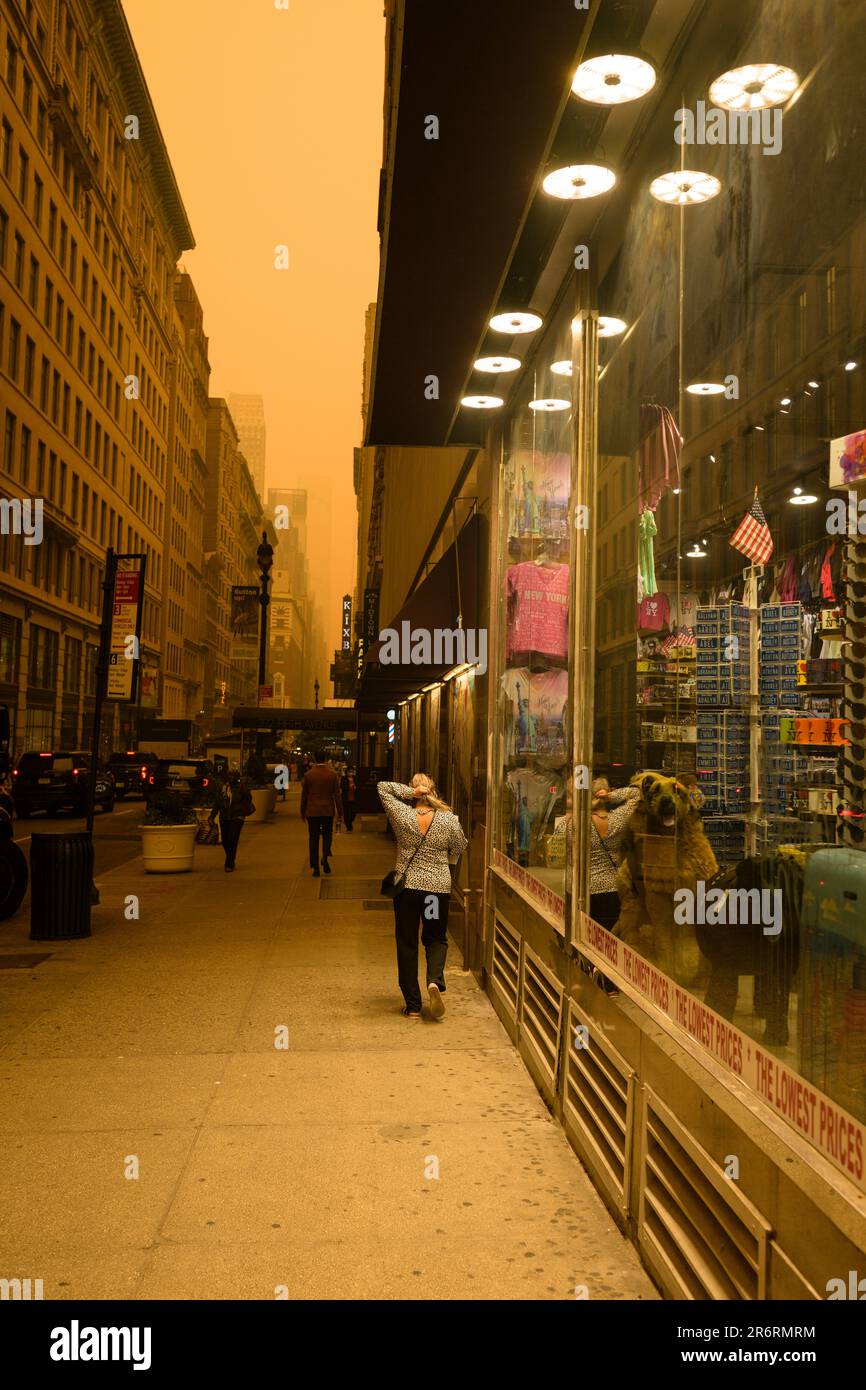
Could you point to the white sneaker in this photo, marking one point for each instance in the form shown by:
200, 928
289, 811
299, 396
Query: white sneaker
437, 1003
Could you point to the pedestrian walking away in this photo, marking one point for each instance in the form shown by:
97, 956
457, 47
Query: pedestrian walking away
233, 803
320, 803
430, 841
348, 788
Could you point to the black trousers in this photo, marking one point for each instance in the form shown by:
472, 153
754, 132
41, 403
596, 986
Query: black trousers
230, 833
416, 907
349, 814
316, 826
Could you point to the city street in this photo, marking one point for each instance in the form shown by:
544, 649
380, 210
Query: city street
115, 835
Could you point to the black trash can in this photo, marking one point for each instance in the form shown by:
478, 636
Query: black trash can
61, 874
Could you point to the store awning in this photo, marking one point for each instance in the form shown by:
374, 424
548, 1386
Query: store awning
493, 73
444, 608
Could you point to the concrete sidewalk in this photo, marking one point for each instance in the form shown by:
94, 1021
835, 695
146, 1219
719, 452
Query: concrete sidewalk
372, 1158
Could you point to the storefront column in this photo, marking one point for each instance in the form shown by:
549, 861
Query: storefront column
584, 475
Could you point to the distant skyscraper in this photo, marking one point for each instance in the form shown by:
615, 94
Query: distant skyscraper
248, 413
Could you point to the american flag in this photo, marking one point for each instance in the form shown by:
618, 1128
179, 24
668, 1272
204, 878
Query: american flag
683, 637
752, 537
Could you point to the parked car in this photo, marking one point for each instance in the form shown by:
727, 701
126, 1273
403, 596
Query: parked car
131, 771
59, 782
191, 778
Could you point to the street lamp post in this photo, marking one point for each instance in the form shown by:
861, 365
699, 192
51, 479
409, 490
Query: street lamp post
316, 691
264, 560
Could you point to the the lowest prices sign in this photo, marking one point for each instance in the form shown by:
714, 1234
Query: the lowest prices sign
125, 634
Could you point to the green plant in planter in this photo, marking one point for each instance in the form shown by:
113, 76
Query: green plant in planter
167, 808
256, 771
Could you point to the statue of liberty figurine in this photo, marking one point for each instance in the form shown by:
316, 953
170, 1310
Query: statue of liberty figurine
524, 827
527, 723
531, 513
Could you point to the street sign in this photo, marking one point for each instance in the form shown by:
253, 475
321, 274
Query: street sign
346, 640
123, 650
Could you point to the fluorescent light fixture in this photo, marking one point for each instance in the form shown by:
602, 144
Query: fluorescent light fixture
460, 670
754, 87
434, 685
706, 388
563, 368
550, 404
685, 186
579, 181
497, 364
610, 328
481, 402
613, 79
515, 321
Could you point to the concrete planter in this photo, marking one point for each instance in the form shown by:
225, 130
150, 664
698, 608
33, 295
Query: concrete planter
264, 801
168, 849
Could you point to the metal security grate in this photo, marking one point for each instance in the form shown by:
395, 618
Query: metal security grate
699, 1234
349, 887
505, 968
24, 962
598, 1111
540, 1013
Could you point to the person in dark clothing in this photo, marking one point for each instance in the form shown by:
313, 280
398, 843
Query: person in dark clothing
234, 803
348, 788
320, 802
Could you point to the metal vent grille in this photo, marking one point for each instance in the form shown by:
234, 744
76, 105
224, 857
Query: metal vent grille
505, 968
349, 888
699, 1234
540, 1013
598, 1107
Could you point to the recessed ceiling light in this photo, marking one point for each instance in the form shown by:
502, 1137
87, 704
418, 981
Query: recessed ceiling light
850, 366
760, 429
481, 402
814, 385
685, 186
706, 388
579, 181
518, 321
610, 328
550, 403
753, 87
675, 491
497, 364
712, 458
786, 400
563, 368
613, 79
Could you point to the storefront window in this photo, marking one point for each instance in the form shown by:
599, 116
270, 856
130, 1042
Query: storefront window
731, 577
531, 782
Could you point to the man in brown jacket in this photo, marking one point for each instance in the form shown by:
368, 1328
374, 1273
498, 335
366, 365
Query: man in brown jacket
320, 800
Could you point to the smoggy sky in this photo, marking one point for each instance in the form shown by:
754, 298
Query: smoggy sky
273, 123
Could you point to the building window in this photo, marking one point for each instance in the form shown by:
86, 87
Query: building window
10, 649
42, 668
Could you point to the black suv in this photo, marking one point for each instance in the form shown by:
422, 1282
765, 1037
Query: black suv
131, 771
58, 782
191, 778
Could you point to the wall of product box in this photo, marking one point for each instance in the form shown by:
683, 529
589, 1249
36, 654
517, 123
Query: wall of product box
765, 760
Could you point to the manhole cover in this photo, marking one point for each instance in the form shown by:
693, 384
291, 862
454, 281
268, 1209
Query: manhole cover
24, 962
349, 887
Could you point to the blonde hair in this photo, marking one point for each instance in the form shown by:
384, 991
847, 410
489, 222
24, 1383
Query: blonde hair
424, 790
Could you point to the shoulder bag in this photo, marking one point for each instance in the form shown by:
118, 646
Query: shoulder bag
394, 883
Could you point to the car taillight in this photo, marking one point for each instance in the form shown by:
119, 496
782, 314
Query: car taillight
204, 781
14, 772
151, 780
75, 771
144, 774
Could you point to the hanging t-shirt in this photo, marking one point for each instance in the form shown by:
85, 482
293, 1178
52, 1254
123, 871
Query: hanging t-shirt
552, 474
548, 697
683, 609
537, 609
520, 723
654, 613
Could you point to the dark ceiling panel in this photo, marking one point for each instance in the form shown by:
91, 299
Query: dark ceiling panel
495, 74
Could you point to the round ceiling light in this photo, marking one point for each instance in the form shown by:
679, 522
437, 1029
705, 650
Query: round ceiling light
579, 181
753, 87
550, 403
518, 321
613, 79
610, 328
706, 388
696, 553
685, 186
801, 498
481, 402
497, 364
563, 368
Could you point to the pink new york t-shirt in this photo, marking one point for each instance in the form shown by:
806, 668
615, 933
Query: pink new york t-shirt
537, 609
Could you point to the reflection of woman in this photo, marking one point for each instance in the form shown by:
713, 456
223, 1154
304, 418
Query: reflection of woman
610, 816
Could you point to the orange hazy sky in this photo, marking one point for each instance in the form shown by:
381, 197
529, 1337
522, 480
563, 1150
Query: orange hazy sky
273, 122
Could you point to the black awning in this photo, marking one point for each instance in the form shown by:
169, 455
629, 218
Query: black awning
446, 607
495, 74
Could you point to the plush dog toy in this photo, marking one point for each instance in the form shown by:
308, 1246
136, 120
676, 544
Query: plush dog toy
665, 849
